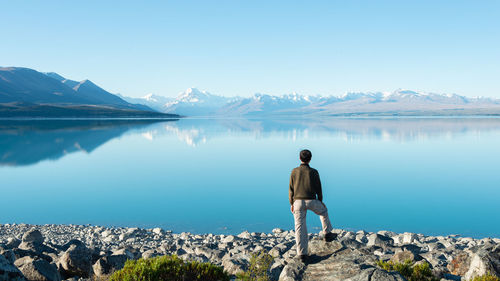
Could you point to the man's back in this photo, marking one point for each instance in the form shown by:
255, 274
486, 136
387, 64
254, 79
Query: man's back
305, 184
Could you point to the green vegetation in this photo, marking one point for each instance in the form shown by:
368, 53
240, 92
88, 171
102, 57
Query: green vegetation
486, 277
170, 268
260, 263
410, 270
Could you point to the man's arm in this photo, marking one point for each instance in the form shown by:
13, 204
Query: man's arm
319, 191
290, 191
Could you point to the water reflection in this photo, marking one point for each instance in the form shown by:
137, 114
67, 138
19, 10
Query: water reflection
24, 142
197, 131
29, 142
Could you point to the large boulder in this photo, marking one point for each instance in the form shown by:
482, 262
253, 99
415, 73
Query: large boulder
108, 264
477, 262
32, 240
485, 260
33, 236
460, 264
403, 256
38, 269
8, 272
76, 261
379, 241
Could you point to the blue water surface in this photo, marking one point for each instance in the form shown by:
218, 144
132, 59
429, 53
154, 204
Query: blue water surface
435, 176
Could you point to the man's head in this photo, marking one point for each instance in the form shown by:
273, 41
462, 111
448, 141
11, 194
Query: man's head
305, 156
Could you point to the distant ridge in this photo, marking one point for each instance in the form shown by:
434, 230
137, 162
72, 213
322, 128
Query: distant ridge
26, 92
400, 102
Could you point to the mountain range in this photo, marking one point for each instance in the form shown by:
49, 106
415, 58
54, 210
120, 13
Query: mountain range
194, 102
26, 92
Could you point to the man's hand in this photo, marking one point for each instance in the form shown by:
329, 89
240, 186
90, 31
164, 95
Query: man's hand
291, 208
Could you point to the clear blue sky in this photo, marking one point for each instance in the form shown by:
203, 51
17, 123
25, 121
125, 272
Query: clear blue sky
242, 47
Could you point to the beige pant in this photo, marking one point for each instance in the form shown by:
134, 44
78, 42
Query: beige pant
300, 208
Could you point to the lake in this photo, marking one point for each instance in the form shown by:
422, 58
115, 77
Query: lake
435, 176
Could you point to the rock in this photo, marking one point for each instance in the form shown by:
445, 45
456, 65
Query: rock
379, 240
8, 272
376, 274
292, 271
12, 243
280, 249
386, 233
228, 239
9, 255
108, 264
245, 235
158, 231
403, 256
277, 230
76, 261
38, 269
409, 237
149, 254
125, 252
233, 266
106, 233
486, 260
459, 265
33, 236
276, 268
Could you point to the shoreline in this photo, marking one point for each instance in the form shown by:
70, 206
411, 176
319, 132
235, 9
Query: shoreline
232, 252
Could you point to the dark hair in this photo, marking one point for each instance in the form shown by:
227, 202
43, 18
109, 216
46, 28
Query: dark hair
305, 155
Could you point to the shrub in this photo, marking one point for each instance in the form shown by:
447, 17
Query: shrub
170, 268
409, 270
260, 263
486, 277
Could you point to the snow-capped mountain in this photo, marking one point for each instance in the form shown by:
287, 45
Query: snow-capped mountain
156, 102
194, 102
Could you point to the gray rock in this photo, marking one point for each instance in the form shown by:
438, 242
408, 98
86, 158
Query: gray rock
277, 230
292, 271
12, 243
233, 267
409, 237
38, 269
33, 236
158, 231
9, 255
8, 272
379, 241
108, 264
76, 261
486, 260
376, 274
404, 256
125, 252
149, 254
245, 235
228, 239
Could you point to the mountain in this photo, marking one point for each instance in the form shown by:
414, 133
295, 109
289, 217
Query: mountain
26, 92
193, 102
155, 102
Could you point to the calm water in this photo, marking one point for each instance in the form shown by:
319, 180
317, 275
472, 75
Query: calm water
426, 175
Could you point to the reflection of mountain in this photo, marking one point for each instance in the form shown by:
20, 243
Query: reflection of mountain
196, 131
29, 142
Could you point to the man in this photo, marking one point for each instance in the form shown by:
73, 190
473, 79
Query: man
305, 194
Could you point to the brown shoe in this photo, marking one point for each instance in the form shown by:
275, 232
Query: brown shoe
329, 237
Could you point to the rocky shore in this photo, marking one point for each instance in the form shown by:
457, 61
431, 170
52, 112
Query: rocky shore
77, 252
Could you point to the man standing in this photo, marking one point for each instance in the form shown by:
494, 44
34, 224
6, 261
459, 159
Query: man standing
305, 194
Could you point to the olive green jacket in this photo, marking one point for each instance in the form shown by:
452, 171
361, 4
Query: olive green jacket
304, 184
